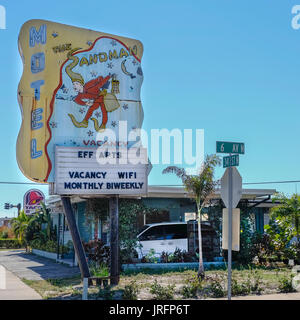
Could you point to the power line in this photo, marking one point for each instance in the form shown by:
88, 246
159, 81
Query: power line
273, 182
32, 183
158, 185
265, 182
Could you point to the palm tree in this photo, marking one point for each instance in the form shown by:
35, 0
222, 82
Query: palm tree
289, 209
20, 225
202, 186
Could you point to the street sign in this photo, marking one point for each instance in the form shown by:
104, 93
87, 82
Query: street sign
236, 187
230, 147
235, 229
231, 161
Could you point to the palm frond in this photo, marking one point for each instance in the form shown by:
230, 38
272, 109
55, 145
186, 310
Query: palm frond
180, 172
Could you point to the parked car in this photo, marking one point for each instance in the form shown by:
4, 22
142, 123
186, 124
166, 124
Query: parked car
161, 237
168, 236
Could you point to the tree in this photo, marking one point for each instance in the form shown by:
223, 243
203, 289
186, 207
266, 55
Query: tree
201, 186
20, 225
40, 226
287, 214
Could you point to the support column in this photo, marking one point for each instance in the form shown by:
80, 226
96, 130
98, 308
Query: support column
79, 250
114, 240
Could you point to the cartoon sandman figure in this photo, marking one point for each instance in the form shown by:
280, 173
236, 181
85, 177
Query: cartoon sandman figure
92, 94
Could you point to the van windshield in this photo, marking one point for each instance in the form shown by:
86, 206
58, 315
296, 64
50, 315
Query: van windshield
146, 226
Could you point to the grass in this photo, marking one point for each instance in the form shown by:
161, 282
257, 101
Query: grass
55, 288
265, 281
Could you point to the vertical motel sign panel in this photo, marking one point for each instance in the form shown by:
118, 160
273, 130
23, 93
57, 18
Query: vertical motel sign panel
75, 84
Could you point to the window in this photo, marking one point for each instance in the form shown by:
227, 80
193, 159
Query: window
154, 233
176, 231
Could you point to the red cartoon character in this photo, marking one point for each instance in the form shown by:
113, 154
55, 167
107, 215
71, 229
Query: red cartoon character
92, 94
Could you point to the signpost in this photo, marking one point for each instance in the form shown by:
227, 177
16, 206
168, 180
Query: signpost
231, 191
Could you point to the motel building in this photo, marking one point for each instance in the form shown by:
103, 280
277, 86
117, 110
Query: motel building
173, 204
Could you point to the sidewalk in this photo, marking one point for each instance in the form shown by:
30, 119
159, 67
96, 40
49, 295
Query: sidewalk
32, 267
277, 296
15, 289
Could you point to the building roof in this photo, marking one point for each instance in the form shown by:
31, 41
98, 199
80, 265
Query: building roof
253, 195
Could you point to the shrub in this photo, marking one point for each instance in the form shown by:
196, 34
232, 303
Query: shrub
162, 293
131, 291
177, 256
150, 257
4, 234
11, 244
97, 251
190, 290
285, 284
256, 283
106, 293
49, 246
239, 288
99, 271
217, 289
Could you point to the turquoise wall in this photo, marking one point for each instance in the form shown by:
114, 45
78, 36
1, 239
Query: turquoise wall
176, 207
84, 230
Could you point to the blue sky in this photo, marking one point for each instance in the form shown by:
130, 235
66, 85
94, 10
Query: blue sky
229, 67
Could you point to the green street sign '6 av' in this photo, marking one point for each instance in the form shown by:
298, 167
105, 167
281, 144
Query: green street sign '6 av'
230, 147
231, 161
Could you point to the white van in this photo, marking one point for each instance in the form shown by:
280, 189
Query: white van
161, 237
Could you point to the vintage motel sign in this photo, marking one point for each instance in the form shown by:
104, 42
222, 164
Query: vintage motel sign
75, 84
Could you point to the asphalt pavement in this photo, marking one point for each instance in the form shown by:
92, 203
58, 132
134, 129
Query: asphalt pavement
32, 267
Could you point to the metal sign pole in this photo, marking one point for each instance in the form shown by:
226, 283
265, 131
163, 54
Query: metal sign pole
229, 230
114, 239
84, 268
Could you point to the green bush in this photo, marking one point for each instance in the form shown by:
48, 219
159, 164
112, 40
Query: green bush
106, 293
162, 293
239, 288
4, 234
191, 288
131, 291
216, 289
256, 283
49, 246
11, 244
285, 284
99, 270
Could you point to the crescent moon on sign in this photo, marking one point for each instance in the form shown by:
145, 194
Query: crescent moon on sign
123, 67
